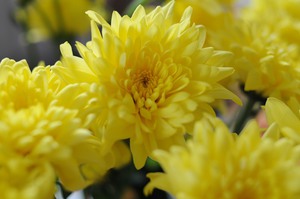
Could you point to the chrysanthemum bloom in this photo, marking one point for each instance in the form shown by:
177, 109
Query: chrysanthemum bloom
32, 127
263, 63
152, 75
25, 178
282, 16
56, 18
219, 164
286, 117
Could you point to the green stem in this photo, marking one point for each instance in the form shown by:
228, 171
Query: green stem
243, 115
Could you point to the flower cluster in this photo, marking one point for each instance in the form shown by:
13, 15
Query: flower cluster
145, 87
217, 164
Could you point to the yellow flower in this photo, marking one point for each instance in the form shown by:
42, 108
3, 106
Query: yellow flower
267, 50
282, 16
263, 62
21, 88
152, 74
57, 18
32, 126
25, 178
219, 164
285, 116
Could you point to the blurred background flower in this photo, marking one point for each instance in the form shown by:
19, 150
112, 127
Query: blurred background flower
219, 164
59, 20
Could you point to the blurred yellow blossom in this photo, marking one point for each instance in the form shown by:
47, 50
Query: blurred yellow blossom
58, 19
24, 178
153, 76
263, 63
282, 16
219, 164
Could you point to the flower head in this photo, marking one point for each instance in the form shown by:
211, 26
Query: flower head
282, 16
152, 74
35, 127
25, 178
219, 164
264, 64
21, 88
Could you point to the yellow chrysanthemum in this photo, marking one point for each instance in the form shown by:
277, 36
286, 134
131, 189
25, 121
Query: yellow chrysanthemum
282, 16
152, 74
285, 116
25, 178
21, 88
57, 18
217, 164
263, 62
32, 126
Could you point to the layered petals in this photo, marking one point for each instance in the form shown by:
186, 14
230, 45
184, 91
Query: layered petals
35, 127
219, 164
153, 75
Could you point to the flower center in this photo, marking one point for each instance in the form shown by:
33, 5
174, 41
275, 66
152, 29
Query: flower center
143, 90
144, 84
151, 82
144, 81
